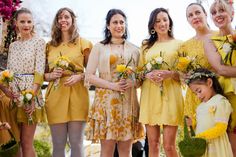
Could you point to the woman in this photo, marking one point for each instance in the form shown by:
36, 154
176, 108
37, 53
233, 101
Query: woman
161, 97
194, 47
113, 117
67, 99
222, 60
27, 61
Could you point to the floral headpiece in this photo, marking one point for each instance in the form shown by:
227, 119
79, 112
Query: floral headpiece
196, 75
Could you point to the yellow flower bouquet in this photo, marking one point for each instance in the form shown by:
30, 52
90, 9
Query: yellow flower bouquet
6, 77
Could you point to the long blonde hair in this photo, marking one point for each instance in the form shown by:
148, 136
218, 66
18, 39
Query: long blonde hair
56, 31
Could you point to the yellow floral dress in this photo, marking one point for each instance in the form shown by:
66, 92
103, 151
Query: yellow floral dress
26, 59
193, 48
113, 115
227, 83
166, 107
63, 103
217, 109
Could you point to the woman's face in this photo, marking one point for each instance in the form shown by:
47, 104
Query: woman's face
65, 21
162, 24
117, 26
24, 24
196, 17
220, 17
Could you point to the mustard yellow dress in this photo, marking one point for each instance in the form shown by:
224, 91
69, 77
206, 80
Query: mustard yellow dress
166, 107
8, 114
63, 103
193, 48
227, 82
26, 59
215, 110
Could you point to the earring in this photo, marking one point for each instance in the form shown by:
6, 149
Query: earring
153, 31
169, 29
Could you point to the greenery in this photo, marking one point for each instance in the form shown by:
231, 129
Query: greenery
42, 148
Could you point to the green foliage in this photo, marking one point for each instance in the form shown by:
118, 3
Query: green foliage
42, 148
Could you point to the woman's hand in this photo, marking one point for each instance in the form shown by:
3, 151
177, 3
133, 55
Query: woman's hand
160, 75
29, 109
56, 73
9, 93
4, 125
73, 79
119, 86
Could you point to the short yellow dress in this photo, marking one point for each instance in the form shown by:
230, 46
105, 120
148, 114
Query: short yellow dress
8, 114
26, 59
193, 48
63, 103
217, 109
227, 82
166, 107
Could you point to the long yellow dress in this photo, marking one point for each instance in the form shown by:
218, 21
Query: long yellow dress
193, 48
227, 82
63, 103
8, 114
165, 108
217, 109
113, 116
26, 59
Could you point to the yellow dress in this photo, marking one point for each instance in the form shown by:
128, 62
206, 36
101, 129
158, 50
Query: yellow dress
165, 108
8, 114
227, 82
193, 48
64, 104
217, 109
26, 59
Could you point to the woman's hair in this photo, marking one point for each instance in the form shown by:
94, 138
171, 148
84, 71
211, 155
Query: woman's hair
223, 4
56, 33
152, 20
107, 33
198, 4
24, 11
200, 76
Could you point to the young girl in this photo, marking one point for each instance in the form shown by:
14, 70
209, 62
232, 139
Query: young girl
212, 114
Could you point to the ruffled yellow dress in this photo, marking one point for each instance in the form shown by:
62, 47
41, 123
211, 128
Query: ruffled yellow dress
217, 109
193, 48
161, 107
227, 83
63, 103
8, 114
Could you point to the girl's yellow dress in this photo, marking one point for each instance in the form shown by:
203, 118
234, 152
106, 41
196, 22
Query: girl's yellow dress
215, 110
227, 83
193, 48
166, 107
63, 103
8, 114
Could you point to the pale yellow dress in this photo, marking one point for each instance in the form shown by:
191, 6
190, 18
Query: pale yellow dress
227, 83
26, 59
193, 48
215, 110
166, 108
67, 103
113, 115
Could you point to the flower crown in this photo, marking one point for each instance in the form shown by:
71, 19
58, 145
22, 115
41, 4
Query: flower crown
196, 75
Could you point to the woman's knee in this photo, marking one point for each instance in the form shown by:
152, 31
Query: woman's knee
169, 147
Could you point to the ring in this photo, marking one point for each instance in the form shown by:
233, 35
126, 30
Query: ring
159, 75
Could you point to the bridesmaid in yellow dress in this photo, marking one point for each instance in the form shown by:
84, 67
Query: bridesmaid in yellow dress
197, 18
26, 59
113, 116
161, 97
222, 14
67, 99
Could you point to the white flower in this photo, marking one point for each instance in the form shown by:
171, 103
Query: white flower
64, 63
226, 47
159, 60
28, 96
21, 98
149, 66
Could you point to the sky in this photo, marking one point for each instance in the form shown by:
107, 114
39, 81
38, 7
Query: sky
91, 16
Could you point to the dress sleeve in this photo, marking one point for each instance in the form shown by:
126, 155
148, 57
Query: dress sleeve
85, 44
40, 60
141, 57
9, 59
223, 111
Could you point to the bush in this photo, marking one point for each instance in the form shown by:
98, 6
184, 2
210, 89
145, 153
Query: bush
42, 148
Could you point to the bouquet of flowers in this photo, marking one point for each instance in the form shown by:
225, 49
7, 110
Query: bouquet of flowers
26, 98
6, 77
228, 46
185, 63
64, 63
